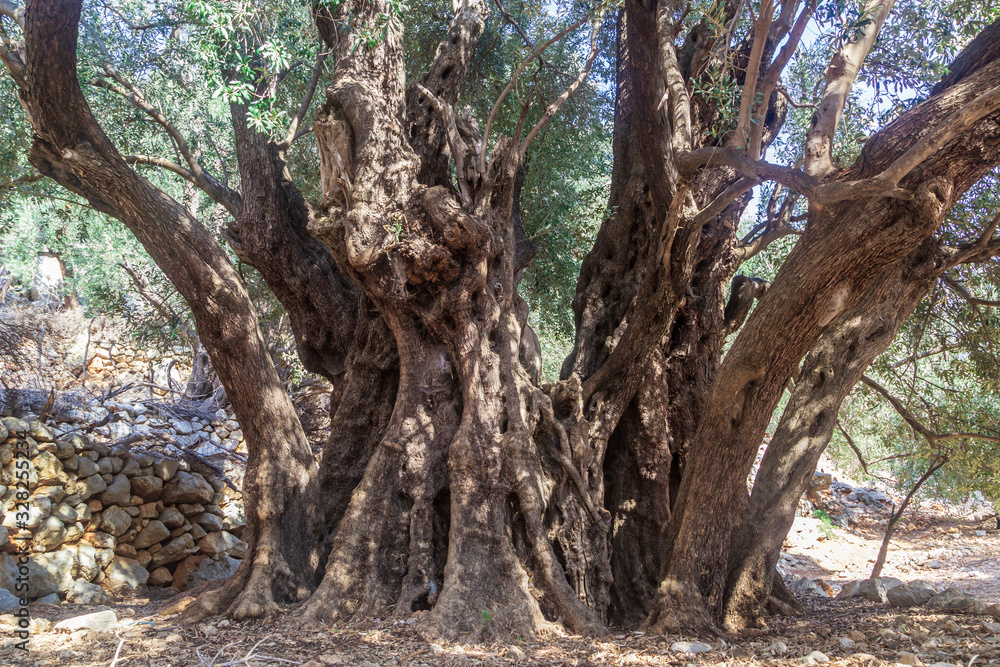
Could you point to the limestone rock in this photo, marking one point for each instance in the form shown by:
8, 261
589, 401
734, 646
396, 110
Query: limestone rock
119, 492
953, 599
877, 589
86, 560
101, 621
222, 544
690, 648
188, 488
86, 467
161, 576
125, 574
910, 595
41, 432
210, 522
147, 487
88, 486
50, 534
49, 469
103, 558
154, 532
60, 566
172, 518
210, 569
165, 469
115, 520
65, 513
173, 551
184, 570
84, 592
40, 582
100, 540
8, 601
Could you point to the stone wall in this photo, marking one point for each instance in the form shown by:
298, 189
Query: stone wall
117, 517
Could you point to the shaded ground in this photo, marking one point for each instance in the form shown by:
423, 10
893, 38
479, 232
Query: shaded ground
853, 632
879, 635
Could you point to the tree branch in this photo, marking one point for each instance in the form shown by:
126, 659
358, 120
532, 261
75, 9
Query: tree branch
960, 289
14, 12
513, 80
841, 73
930, 436
850, 441
761, 27
30, 177
774, 71
916, 356
218, 192
160, 162
885, 184
554, 107
293, 127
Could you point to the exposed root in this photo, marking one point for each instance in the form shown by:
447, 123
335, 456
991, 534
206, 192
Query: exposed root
679, 609
216, 601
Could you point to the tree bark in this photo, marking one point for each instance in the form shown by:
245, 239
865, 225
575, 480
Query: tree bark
280, 492
845, 247
829, 372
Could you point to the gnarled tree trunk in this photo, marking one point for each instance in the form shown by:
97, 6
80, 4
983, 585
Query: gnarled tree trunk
280, 492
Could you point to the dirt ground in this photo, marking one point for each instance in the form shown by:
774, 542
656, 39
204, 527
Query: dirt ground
854, 632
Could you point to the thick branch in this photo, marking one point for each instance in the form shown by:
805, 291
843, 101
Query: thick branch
841, 73
13, 12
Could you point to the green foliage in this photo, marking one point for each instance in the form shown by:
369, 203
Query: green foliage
825, 524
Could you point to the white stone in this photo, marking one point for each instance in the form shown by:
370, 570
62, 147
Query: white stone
690, 648
100, 621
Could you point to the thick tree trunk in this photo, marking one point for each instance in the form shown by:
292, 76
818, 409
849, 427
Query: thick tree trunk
829, 372
280, 492
449, 513
845, 247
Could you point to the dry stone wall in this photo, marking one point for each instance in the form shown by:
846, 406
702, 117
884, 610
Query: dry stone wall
96, 518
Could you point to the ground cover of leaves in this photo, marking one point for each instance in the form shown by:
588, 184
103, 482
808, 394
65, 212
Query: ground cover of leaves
848, 633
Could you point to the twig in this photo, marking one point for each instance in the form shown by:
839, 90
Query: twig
850, 441
114, 660
558, 102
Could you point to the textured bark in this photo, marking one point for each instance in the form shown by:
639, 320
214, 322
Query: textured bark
280, 492
830, 370
659, 327
270, 233
844, 249
448, 515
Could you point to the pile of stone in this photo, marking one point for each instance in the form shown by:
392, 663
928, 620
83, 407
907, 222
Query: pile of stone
889, 590
103, 518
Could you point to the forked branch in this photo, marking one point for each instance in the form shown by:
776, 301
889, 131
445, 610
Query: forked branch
961, 290
554, 107
227, 197
517, 73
